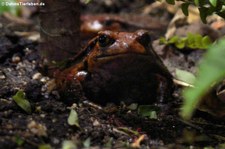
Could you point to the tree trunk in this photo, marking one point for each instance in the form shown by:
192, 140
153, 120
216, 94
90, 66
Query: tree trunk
60, 27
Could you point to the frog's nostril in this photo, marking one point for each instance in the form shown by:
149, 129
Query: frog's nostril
144, 39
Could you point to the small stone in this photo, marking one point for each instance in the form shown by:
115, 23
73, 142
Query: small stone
38, 109
2, 77
37, 76
16, 59
44, 79
55, 141
54, 120
51, 85
37, 128
96, 123
42, 115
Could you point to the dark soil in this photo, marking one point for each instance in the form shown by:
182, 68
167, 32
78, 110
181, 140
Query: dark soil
47, 124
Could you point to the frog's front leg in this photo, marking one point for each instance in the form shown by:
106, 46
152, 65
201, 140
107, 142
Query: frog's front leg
69, 84
164, 89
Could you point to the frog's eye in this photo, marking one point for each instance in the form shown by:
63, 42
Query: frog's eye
104, 40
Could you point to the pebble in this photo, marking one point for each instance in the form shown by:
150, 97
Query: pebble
37, 76
2, 77
37, 128
55, 141
42, 115
16, 59
44, 79
96, 123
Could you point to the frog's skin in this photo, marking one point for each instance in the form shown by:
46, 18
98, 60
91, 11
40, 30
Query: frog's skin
118, 66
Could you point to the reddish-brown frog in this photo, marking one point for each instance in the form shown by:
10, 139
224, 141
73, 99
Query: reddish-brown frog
118, 66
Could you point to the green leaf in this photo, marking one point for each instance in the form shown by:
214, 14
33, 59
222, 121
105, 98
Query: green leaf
87, 1
211, 70
162, 40
184, 8
213, 2
67, 144
196, 2
87, 143
19, 141
172, 2
148, 111
73, 118
44, 146
173, 40
198, 41
109, 143
185, 76
22, 102
191, 41
181, 43
206, 41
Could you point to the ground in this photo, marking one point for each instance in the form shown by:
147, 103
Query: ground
20, 69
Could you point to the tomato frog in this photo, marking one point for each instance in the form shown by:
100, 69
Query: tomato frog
117, 67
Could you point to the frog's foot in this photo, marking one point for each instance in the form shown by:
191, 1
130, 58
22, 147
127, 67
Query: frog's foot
73, 92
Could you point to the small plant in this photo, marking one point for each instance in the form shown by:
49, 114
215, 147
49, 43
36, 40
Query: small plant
205, 7
192, 41
211, 70
22, 102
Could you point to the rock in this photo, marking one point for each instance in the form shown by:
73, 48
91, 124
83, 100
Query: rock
2, 76
37, 76
16, 59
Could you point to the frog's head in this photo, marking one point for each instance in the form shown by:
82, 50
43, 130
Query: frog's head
109, 46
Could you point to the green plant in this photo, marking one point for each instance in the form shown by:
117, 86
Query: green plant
211, 71
192, 41
205, 7
22, 102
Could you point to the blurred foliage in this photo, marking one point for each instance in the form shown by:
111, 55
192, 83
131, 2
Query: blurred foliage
68, 144
13, 9
192, 41
211, 71
44, 146
19, 141
205, 7
185, 76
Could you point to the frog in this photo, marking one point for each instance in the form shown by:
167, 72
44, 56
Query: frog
118, 67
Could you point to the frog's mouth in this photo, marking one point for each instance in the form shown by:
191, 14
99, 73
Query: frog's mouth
121, 55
